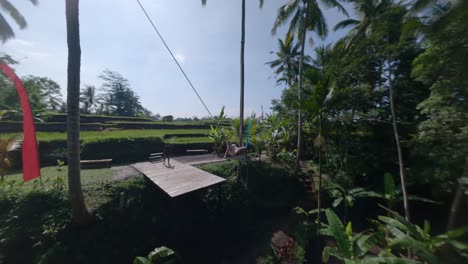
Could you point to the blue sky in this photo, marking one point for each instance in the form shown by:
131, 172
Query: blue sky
115, 35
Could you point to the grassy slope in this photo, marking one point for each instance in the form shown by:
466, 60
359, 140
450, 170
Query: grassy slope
90, 136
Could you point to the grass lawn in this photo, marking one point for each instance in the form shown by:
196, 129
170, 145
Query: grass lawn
90, 136
51, 174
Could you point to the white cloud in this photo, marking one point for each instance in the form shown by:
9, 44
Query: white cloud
14, 43
23, 49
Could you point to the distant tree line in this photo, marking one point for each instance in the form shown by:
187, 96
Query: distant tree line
114, 97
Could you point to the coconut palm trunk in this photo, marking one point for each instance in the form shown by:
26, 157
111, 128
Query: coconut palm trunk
80, 213
299, 98
319, 193
241, 114
401, 165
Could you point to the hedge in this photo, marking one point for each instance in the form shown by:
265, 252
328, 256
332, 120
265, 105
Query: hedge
159, 125
120, 150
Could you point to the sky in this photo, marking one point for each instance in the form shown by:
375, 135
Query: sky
116, 35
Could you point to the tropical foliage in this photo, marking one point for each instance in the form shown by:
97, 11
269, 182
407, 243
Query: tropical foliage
378, 117
217, 133
7, 147
366, 247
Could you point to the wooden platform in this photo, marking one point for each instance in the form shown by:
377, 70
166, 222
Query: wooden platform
179, 179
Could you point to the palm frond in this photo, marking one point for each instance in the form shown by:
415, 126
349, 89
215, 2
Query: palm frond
295, 25
6, 32
336, 4
345, 23
317, 21
13, 13
284, 12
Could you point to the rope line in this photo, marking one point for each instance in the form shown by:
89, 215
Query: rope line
174, 58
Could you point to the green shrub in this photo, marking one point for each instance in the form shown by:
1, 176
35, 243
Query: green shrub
268, 187
120, 150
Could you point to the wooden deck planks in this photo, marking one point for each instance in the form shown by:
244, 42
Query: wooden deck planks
178, 180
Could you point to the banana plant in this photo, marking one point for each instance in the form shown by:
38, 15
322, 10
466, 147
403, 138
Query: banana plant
275, 134
353, 248
217, 133
407, 236
7, 146
392, 193
348, 196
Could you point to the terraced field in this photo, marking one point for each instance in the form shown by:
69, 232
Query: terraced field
91, 136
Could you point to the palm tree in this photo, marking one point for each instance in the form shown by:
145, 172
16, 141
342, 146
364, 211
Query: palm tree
241, 115
287, 63
88, 98
368, 11
79, 211
371, 12
317, 102
303, 16
6, 32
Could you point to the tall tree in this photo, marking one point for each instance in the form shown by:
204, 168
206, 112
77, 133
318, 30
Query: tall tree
241, 114
118, 97
88, 98
286, 64
382, 22
79, 210
303, 16
442, 68
6, 31
44, 93
369, 11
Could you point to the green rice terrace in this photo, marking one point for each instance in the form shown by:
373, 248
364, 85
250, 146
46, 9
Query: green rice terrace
234, 132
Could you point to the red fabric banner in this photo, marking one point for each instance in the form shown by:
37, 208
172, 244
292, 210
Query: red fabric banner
30, 155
